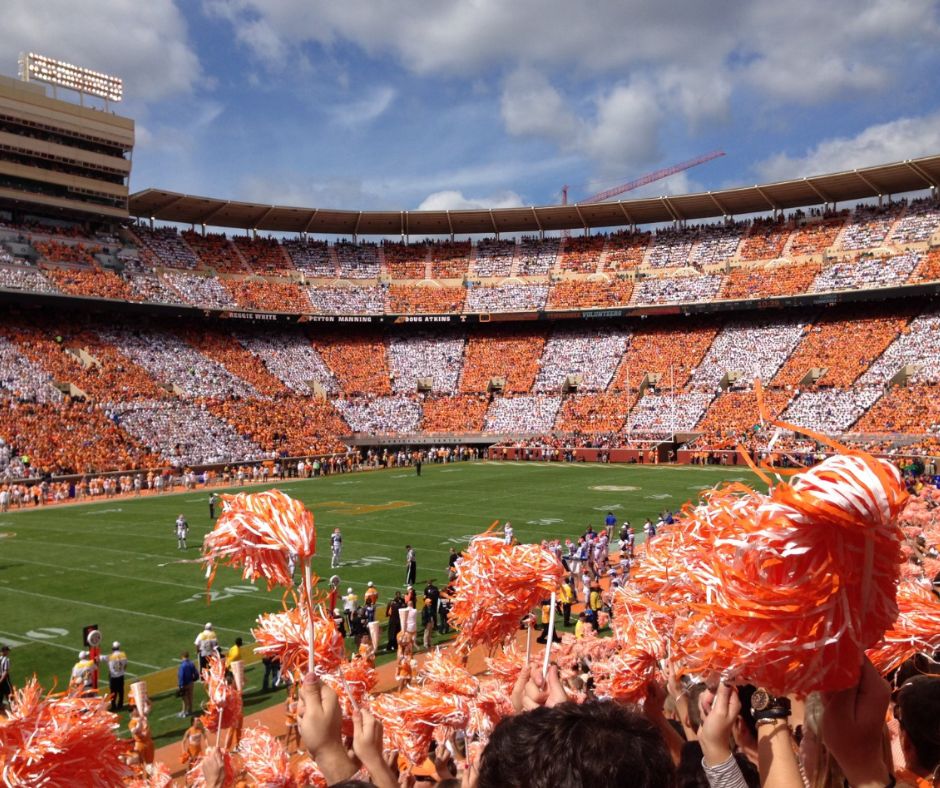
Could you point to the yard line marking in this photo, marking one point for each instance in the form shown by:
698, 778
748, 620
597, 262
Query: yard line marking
127, 577
46, 642
193, 624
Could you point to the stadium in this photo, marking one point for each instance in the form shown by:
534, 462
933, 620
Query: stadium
412, 376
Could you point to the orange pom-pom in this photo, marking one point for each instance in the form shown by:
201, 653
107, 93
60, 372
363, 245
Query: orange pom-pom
266, 760
916, 629
284, 637
258, 532
196, 779
497, 584
61, 739
224, 702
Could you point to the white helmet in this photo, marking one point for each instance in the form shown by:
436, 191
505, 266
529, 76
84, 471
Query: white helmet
83, 655
115, 645
208, 626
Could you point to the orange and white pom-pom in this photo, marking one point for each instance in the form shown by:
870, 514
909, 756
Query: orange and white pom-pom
916, 629
61, 739
265, 760
411, 717
505, 665
352, 683
308, 773
283, 636
224, 702
159, 777
258, 532
497, 584
784, 590
196, 779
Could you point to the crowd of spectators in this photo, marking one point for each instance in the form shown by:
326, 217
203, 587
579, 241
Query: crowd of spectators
359, 362
290, 425
450, 259
866, 271
591, 355
755, 349
494, 258
715, 243
913, 409
357, 261
831, 410
668, 412
268, 296
109, 375
869, 225
418, 356
146, 284
224, 349
290, 357
70, 437
177, 364
512, 356
670, 248
164, 246
347, 300
734, 413
23, 379
263, 255
917, 345
425, 300
314, 258
919, 223
626, 250
94, 282
676, 289
406, 261
816, 235
589, 293
671, 349
457, 414
929, 268
216, 252
381, 415
200, 289
845, 343
765, 240
593, 413
536, 256
583, 253
525, 414
506, 297
17, 278
60, 252
769, 280
182, 433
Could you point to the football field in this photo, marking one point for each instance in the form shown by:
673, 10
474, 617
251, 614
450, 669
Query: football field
116, 564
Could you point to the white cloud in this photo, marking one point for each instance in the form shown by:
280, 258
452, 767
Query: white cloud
531, 106
905, 138
144, 43
626, 132
453, 200
181, 137
366, 109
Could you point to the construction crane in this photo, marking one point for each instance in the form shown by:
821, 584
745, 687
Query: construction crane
651, 177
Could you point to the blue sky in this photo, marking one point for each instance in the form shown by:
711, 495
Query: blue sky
401, 104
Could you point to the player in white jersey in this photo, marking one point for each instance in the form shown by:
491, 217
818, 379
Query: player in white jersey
182, 529
206, 644
336, 547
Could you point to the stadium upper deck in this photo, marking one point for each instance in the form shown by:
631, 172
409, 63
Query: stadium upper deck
870, 250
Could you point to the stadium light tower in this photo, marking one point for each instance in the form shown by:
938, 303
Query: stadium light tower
58, 73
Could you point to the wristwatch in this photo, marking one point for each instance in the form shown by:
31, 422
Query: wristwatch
765, 706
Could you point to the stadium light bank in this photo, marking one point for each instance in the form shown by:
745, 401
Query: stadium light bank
58, 73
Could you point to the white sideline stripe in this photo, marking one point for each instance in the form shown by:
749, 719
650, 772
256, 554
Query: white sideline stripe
45, 642
125, 577
193, 624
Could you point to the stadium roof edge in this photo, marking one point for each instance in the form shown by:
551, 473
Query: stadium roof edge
859, 184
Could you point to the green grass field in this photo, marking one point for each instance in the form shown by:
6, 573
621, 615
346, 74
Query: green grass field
112, 563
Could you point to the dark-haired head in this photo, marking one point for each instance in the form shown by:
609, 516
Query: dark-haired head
596, 744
